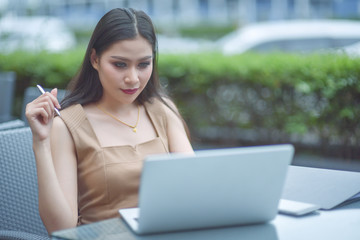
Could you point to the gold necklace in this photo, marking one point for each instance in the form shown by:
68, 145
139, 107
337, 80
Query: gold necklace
109, 114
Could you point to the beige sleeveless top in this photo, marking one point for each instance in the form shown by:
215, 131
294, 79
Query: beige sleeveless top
108, 177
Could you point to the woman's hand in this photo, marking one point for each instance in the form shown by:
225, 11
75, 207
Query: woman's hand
40, 114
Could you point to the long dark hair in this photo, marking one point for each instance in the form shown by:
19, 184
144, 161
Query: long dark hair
118, 24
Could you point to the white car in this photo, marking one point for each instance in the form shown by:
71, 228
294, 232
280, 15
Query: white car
179, 45
34, 34
352, 50
291, 36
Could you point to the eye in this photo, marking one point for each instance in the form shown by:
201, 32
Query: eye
120, 64
144, 64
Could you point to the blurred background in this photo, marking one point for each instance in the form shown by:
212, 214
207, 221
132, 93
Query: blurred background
243, 72
202, 19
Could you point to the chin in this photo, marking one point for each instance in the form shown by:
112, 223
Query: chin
129, 100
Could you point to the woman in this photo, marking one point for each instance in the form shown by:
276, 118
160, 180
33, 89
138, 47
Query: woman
89, 160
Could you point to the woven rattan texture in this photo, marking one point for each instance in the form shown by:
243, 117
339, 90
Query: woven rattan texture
16, 235
12, 124
18, 181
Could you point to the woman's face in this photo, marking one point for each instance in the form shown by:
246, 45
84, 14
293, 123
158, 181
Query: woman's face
124, 69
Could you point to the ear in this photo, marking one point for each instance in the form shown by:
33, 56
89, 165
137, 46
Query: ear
94, 59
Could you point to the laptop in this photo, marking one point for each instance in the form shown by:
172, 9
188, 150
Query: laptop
211, 188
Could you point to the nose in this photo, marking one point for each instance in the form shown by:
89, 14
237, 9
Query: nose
131, 77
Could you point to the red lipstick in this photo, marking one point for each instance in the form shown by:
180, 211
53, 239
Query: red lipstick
129, 91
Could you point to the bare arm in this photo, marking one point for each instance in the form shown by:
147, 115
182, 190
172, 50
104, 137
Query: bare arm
178, 139
56, 164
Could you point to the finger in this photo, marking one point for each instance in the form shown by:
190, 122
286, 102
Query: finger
37, 113
53, 98
54, 92
44, 102
47, 106
43, 115
48, 97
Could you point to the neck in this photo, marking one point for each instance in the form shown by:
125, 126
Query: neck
113, 116
115, 107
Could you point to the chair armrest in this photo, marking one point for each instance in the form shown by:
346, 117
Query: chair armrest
19, 235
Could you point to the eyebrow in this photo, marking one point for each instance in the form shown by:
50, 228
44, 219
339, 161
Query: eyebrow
126, 59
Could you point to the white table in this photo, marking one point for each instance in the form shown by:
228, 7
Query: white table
342, 223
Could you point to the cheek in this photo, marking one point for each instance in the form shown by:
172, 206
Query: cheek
108, 73
145, 75
108, 76
109, 69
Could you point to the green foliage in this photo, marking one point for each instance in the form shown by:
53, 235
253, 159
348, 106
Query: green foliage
48, 69
279, 97
206, 31
82, 35
303, 99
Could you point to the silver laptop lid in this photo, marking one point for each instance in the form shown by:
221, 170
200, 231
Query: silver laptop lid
212, 188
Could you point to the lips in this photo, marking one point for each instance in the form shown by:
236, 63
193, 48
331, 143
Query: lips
129, 91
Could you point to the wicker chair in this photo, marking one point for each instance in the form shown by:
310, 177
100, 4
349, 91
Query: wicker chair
7, 90
19, 214
12, 124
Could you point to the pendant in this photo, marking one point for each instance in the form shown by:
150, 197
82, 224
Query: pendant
134, 130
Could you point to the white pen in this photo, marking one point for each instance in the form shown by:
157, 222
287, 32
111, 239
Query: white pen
42, 92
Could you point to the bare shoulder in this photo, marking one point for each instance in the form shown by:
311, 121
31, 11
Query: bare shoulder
169, 101
172, 113
60, 129
59, 124
172, 105
176, 129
